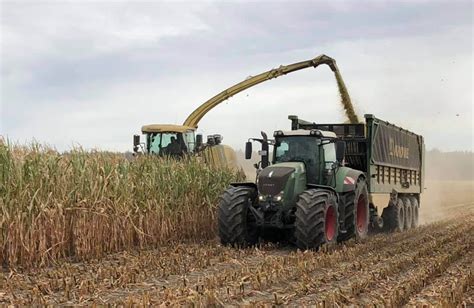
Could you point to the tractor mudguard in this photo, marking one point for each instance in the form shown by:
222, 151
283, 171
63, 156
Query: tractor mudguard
346, 179
245, 184
329, 188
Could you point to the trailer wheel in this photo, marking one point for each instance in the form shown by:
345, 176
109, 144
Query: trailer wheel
316, 219
415, 208
408, 213
235, 222
357, 213
394, 216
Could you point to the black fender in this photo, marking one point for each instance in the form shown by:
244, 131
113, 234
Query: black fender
331, 189
246, 184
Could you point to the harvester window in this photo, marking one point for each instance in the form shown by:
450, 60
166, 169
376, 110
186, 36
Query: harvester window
189, 141
164, 143
154, 141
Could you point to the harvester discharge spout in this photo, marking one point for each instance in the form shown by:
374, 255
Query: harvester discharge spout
194, 118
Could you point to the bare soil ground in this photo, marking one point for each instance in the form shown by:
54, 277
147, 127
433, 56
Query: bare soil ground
430, 265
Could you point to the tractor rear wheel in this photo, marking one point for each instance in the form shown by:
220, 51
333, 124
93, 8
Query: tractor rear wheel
394, 216
235, 221
356, 212
316, 219
408, 212
415, 207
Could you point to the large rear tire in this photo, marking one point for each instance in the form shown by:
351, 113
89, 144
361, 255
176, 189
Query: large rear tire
408, 213
415, 207
394, 216
357, 213
235, 222
316, 219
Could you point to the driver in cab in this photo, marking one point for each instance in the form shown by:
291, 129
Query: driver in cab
173, 148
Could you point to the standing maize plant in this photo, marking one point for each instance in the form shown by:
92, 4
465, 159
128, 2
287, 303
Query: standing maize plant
83, 205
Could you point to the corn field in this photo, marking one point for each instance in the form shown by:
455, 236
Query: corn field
95, 228
431, 266
82, 205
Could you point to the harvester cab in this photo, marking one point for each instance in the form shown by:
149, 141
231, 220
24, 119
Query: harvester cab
172, 140
306, 194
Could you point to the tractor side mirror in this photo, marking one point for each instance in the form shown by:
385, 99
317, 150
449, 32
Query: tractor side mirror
136, 143
198, 140
248, 150
340, 150
265, 150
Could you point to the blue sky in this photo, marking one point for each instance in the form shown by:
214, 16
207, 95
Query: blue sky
93, 72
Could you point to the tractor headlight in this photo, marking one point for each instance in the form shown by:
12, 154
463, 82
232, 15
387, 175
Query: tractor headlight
261, 198
278, 198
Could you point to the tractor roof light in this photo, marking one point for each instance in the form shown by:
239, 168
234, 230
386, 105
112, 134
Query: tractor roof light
315, 132
277, 133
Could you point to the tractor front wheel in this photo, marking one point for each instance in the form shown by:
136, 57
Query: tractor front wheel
316, 219
235, 221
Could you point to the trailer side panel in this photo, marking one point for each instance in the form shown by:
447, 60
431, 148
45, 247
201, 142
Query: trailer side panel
395, 158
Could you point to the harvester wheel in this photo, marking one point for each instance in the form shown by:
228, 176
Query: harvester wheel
415, 207
408, 213
357, 213
316, 219
235, 222
394, 216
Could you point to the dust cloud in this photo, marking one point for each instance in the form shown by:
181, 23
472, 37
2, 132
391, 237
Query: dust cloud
449, 185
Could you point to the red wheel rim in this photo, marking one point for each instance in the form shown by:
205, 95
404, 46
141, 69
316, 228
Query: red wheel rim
361, 215
330, 227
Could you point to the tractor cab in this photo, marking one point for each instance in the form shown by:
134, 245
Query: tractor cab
309, 152
315, 149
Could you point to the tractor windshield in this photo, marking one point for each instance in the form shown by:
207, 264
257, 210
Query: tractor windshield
299, 148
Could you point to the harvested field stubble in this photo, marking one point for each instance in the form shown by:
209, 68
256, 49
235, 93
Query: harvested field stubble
432, 264
83, 205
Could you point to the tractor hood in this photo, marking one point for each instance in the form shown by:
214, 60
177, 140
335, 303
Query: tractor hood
276, 178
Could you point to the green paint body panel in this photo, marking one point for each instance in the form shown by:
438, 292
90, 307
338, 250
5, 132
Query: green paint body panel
296, 183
